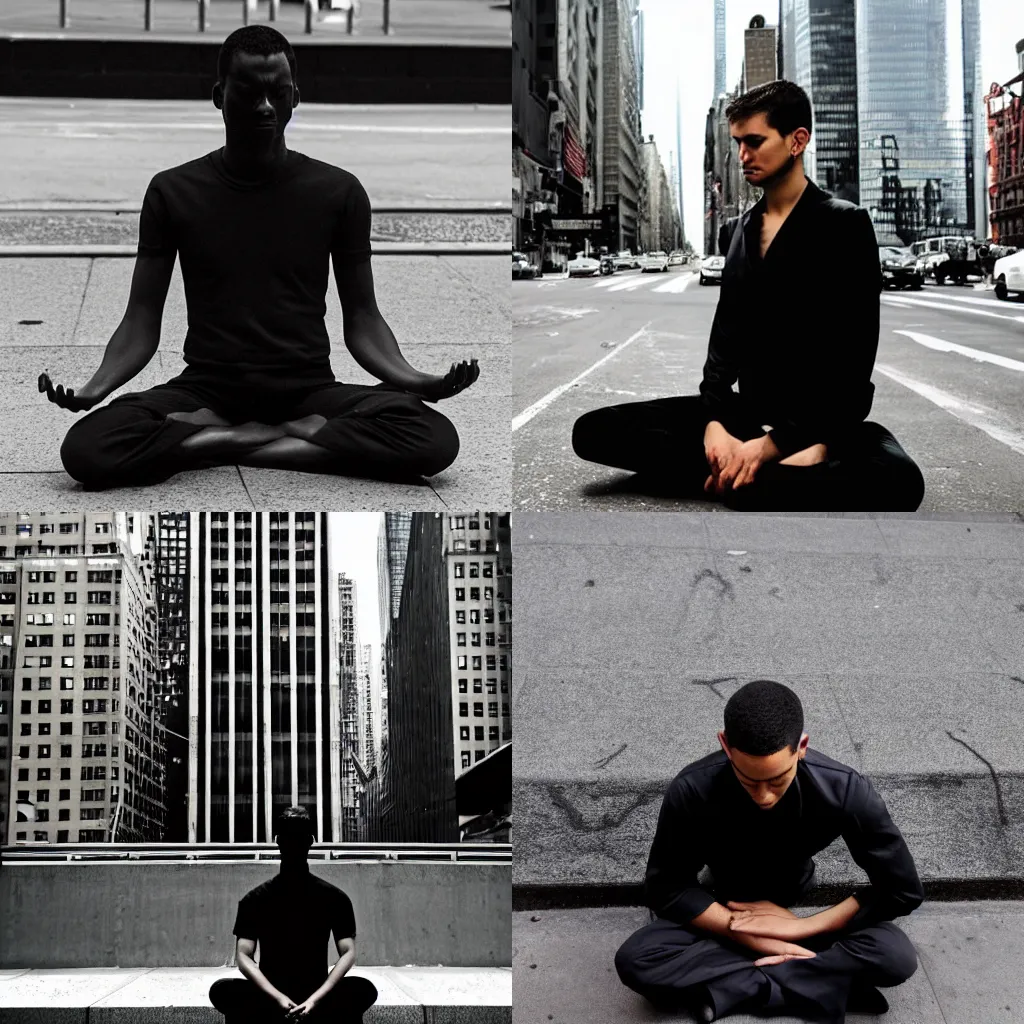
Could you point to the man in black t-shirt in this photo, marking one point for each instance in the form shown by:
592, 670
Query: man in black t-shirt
753, 815
255, 227
291, 917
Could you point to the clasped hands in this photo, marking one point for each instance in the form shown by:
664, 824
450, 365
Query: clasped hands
296, 1011
768, 921
733, 463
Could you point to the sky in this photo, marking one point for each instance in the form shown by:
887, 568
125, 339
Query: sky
354, 552
680, 34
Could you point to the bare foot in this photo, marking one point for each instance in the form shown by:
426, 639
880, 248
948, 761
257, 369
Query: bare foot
808, 457
230, 441
306, 427
200, 417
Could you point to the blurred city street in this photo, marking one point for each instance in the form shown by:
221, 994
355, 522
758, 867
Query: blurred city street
947, 379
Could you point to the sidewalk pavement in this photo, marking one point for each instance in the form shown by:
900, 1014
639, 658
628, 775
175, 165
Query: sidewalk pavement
112, 995
479, 20
968, 973
58, 314
901, 635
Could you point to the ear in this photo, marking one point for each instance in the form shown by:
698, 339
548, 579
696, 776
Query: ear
801, 750
800, 139
295, 97
725, 745
218, 95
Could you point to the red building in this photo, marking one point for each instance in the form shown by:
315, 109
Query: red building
1005, 116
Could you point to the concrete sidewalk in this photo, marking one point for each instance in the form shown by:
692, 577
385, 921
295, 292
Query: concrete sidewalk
969, 956
57, 315
406, 995
901, 635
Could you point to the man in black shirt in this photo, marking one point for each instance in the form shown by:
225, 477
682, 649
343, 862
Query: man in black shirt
797, 327
291, 917
255, 226
754, 814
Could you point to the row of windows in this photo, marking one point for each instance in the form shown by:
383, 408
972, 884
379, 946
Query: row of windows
70, 597
478, 709
68, 683
43, 750
477, 755
502, 661
64, 814
460, 639
478, 735
474, 570
478, 688
474, 616
67, 707
25, 529
88, 795
91, 640
69, 619
68, 661
85, 835
459, 547
474, 593
89, 773
49, 550
460, 522
43, 728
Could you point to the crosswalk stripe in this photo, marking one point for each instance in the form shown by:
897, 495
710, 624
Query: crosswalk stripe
906, 301
939, 345
675, 286
976, 415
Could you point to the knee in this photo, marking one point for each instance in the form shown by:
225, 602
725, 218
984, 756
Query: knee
627, 962
901, 957
218, 992
362, 992
587, 432
82, 458
911, 486
442, 448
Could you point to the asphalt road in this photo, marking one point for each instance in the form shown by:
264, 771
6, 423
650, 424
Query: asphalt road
948, 382
106, 151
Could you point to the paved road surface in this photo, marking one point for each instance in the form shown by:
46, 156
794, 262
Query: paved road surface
477, 20
106, 151
949, 379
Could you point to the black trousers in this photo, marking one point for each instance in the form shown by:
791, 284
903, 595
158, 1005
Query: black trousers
242, 1002
376, 431
663, 442
668, 963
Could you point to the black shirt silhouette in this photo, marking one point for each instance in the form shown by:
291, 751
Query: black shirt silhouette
292, 918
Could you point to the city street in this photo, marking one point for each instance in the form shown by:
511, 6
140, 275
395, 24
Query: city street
947, 378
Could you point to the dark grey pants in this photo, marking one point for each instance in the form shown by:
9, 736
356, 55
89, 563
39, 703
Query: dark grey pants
667, 962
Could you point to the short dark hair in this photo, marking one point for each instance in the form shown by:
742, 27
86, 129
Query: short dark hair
295, 822
785, 105
763, 717
259, 40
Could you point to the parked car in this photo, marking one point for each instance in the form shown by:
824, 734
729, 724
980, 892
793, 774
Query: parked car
522, 268
655, 262
625, 260
676, 259
900, 268
1008, 275
711, 269
584, 266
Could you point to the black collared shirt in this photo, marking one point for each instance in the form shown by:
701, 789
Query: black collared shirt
708, 819
798, 329
292, 919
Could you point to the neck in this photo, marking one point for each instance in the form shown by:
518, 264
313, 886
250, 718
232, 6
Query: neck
294, 868
782, 195
244, 160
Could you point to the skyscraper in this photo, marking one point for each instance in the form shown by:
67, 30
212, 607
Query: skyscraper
352, 709
719, 47
264, 700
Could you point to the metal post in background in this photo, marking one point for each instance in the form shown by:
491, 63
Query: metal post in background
274, 5
350, 15
309, 16
245, 12
202, 14
149, 15
387, 17
63, 13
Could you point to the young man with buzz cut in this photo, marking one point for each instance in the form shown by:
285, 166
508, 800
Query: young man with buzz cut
255, 226
754, 814
797, 328
291, 917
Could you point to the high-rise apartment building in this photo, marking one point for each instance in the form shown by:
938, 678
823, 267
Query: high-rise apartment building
352, 709
86, 750
480, 639
264, 700
719, 48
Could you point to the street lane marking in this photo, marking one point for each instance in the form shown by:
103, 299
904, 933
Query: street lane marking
950, 309
964, 350
628, 286
539, 406
604, 284
676, 286
974, 415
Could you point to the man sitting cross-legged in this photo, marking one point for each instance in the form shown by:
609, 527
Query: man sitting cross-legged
255, 226
754, 814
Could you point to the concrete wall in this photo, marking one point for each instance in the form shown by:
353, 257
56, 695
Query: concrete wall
126, 914
185, 69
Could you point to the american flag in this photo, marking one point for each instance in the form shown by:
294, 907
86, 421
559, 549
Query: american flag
573, 157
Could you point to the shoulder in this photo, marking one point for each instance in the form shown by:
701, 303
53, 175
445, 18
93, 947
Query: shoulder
326, 890
692, 782
838, 780
260, 892
192, 170
327, 175
842, 211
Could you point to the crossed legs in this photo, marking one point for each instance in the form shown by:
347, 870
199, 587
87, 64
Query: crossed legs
242, 1002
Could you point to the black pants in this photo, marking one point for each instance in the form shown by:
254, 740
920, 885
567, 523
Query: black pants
242, 1002
663, 441
667, 963
376, 431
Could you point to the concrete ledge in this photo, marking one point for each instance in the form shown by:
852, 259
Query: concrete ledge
901, 637
968, 955
407, 995
332, 70
379, 249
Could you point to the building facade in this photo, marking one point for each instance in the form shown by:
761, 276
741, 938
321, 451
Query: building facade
760, 52
86, 752
352, 710
1005, 156
719, 48
264, 700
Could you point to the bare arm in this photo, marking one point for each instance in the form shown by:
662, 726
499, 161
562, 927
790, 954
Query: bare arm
717, 920
133, 343
346, 961
776, 924
245, 949
373, 345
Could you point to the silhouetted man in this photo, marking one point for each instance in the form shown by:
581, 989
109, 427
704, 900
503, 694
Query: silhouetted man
797, 328
754, 814
255, 226
291, 917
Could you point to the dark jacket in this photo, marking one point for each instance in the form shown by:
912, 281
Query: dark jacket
708, 819
798, 330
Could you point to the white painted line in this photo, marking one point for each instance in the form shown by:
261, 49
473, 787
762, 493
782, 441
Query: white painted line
606, 283
964, 350
977, 416
952, 309
539, 406
676, 286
